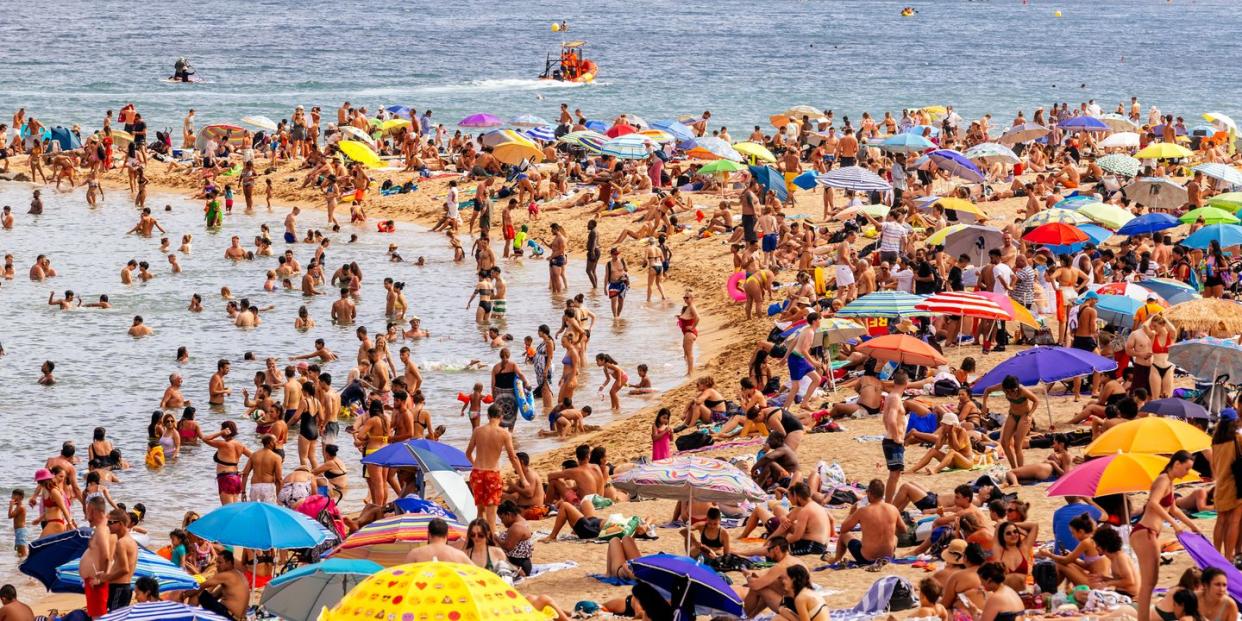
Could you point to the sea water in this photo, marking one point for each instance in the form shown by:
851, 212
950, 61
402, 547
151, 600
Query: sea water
107, 378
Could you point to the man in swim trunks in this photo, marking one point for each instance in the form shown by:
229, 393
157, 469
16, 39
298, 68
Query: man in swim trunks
894, 443
527, 491
94, 561
487, 442
1086, 333
808, 527
263, 471
880, 524
802, 364
779, 465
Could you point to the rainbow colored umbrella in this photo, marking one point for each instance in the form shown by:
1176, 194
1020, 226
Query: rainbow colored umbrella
1121, 473
387, 541
434, 590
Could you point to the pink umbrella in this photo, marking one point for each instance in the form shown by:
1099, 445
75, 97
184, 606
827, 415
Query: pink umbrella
480, 120
1122, 473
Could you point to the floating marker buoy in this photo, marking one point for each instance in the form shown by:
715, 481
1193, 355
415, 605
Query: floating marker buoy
556, 27
1057, 14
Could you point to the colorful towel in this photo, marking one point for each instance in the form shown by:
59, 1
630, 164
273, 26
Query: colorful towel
726, 445
540, 569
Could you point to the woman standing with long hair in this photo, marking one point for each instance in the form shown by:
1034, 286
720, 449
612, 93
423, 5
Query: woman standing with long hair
1160, 508
1224, 453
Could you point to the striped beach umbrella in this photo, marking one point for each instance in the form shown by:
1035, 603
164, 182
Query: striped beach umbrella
586, 139
990, 152
710, 480
628, 147
854, 178
710, 148
889, 304
963, 304
161, 611
543, 133
171, 577
1119, 164
1066, 216
1026, 132
659, 135
1224, 172
387, 541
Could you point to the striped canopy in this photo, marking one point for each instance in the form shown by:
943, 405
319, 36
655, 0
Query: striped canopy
962, 304
854, 178
587, 139
628, 147
710, 147
161, 611
387, 541
545, 133
906, 143
990, 152
710, 480
1224, 172
170, 577
1064, 216
890, 304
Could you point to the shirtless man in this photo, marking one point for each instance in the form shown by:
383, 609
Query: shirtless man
437, 547
235, 251
802, 364
96, 558
343, 310
291, 226
487, 442
12, 609
578, 472
122, 564
227, 593
139, 329
779, 465
127, 272
264, 471
413, 378
322, 353
331, 402
1086, 334
527, 491
292, 392
808, 527
880, 522
172, 399
146, 223
1068, 280
767, 589
894, 418
216, 389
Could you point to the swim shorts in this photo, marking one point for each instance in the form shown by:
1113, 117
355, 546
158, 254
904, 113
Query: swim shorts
617, 289
290, 238
21, 537
1085, 343
263, 492
96, 599
509, 232
806, 546
119, 595
855, 548
769, 242
894, 455
228, 483
799, 367
359, 195
485, 486
928, 503
557, 261
498, 307
535, 513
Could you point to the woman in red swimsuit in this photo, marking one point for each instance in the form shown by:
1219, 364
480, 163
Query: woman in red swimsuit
1162, 334
688, 323
1160, 508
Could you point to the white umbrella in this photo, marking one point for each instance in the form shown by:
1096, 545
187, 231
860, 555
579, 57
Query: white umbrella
260, 121
357, 134
990, 152
1025, 132
1120, 140
1118, 123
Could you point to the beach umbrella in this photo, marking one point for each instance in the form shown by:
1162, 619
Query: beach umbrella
388, 540
938, 238
401, 111
802, 110
1012, 308
361, 153
1204, 553
259, 526
434, 590
350, 132
960, 205
1225, 234
902, 349
1224, 172
1119, 123
919, 129
990, 152
1221, 121
1208, 358
721, 167
1121, 140
260, 121
890, 304
1149, 223
658, 135
755, 150
1026, 132
637, 122
962, 304
1176, 408
481, 120
1096, 234
1076, 202
528, 120
46, 554
426, 455
710, 148
392, 124
1083, 124
875, 211
300, 594
628, 147
587, 139
972, 240
161, 611
596, 126
514, 153
1122, 473
957, 164
1055, 233
779, 121
1118, 310
1150, 434
501, 136
906, 143
806, 180
1045, 365
679, 130
1231, 201
1128, 289
702, 591
543, 133
1163, 151
1210, 215
1064, 216
771, 180
854, 178
835, 331
1156, 193
616, 131
1111, 216
1119, 164
1166, 287
150, 565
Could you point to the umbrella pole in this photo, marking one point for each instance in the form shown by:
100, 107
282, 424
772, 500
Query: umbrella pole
689, 518
1048, 405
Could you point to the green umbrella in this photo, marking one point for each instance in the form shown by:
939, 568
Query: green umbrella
1229, 201
721, 166
1111, 216
1210, 215
1119, 164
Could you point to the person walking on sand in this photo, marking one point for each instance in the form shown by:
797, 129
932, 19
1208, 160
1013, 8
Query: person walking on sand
893, 445
487, 442
123, 563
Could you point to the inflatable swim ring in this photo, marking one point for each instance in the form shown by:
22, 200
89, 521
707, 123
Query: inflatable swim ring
525, 399
734, 287
821, 282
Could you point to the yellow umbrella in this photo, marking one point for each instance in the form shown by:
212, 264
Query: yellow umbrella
392, 124
937, 112
1111, 216
361, 153
937, 238
514, 152
961, 204
437, 590
1162, 151
1152, 434
658, 135
755, 150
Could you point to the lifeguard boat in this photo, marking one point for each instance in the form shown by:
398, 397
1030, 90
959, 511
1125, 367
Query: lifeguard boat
570, 66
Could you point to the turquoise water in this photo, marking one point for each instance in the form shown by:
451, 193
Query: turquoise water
741, 60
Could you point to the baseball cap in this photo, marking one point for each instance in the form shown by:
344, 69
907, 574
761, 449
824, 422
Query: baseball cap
1229, 414
1090, 295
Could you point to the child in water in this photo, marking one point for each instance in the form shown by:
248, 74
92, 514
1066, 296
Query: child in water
17, 512
228, 198
643, 386
155, 455
475, 403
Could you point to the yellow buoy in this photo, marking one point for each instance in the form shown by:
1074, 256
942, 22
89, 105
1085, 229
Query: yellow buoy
1058, 14
556, 27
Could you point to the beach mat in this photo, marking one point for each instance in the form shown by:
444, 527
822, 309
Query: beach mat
613, 580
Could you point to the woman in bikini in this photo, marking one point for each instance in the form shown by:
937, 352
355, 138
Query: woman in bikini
803, 603
229, 452
55, 508
1051, 468
1144, 538
1014, 549
478, 546
1003, 602
371, 435
688, 323
188, 427
483, 290
1018, 424
331, 480
705, 407
1215, 603
1190, 582
953, 448
1162, 334
654, 259
1084, 561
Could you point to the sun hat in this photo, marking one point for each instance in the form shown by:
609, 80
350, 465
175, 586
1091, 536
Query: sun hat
42, 474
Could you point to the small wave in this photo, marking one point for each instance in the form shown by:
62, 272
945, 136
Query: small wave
450, 366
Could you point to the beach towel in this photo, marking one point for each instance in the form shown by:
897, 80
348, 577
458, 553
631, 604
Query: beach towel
540, 569
1205, 555
869, 438
888, 594
613, 580
725, 445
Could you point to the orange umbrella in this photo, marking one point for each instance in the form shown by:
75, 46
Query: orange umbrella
1015, 311
902, 349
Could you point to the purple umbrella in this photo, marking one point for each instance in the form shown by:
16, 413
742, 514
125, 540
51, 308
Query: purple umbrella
1045, 365
480, 120
1205, 555
702, 590
1083, 124
1176, 408
957, 164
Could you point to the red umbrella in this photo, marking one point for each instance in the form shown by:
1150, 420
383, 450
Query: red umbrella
902, 349
619, 130
1056, 234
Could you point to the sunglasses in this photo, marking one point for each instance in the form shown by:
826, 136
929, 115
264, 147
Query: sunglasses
111, 522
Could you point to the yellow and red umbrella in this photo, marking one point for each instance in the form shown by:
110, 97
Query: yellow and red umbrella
1119, 473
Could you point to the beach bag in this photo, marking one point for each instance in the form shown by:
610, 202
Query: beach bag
695, 440
946, 387
729, 562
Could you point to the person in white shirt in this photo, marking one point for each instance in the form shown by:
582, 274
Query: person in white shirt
904, 276
898, 172
893, 234
1093, 108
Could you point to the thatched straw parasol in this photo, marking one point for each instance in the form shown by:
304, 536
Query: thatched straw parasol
1207, 314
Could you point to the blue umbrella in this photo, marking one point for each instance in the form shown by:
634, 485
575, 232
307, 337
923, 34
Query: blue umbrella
546, 133
918, 130
771, 179
1118, 310
414, 504
401, 111
303, 592
1167, 288
161, 611
1176, 408
171, 577
1083, 124
806, 180
48, 553
705, 592
678, 129
854, 178
907, 143
957, 164
1075, 202
1149, 223
1096, 234
426, 455
597, 126
1045, 365
1226, 234
259, 526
